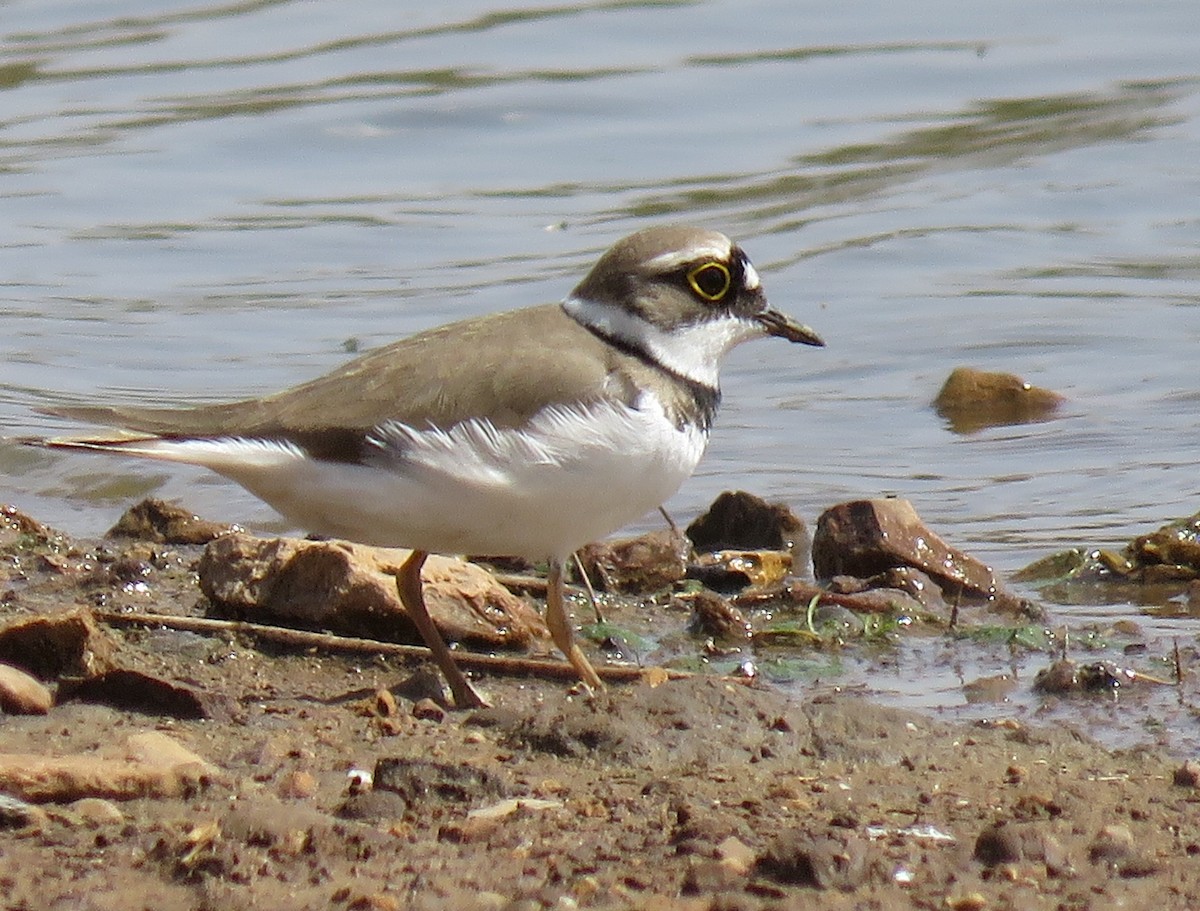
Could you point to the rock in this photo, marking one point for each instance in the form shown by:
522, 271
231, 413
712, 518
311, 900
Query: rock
1112, 846
741, 521
917, 585
154, 767
68, 643
17, 530
1187, 775
796, 858
733, 570
641, 565
155, 748
715, 617
21, 694
351, 589
707, 877
18, 814
423, 781
96, 812
139, 692
972, 399
863, 538
998, 844
428, 710
164, 523
298, 785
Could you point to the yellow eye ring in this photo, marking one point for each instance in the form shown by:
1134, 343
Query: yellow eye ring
710, 280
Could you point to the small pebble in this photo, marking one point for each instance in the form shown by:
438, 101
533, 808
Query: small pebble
1111, 845
428, 710
298, 784
1188, 774
96, 812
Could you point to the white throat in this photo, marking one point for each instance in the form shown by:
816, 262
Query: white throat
693, 351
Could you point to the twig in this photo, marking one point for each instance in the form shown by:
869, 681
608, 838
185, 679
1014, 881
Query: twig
305, 639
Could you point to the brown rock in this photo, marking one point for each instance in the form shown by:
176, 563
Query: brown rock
866, 537
351, 589
154, 748
713, 616
16, 528
741, 521
1112, 845
998, 844
21, 694
165, 523
647, 563
423, 781
1188, 774
140, 692
974, 399
428, 710
96, 812
298, 784
795, 858
151, 770
59, 644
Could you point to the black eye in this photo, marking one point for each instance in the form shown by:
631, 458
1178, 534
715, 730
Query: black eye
710, 280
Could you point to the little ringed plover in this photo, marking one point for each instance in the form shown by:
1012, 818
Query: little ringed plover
528, 433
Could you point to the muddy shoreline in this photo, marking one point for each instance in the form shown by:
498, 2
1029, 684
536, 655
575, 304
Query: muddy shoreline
331, 780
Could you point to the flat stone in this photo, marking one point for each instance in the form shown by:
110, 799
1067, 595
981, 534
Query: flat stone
136, 691
150, 769
22, 694
351, 589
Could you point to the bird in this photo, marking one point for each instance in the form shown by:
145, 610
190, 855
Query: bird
527, 433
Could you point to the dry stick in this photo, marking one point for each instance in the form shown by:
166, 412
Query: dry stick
496, 664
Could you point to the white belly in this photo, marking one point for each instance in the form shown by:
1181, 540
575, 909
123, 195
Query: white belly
573, 476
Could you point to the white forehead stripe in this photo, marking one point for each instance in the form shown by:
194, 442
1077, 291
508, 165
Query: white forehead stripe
750, 277
714, 249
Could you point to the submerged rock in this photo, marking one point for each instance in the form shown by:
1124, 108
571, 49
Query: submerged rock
973, 399
1168, 558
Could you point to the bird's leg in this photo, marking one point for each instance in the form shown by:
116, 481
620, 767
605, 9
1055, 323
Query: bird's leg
560, 628
408, 583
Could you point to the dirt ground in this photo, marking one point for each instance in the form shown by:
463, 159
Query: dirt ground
701, 793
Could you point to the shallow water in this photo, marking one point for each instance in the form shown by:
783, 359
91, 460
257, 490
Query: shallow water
213, 200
